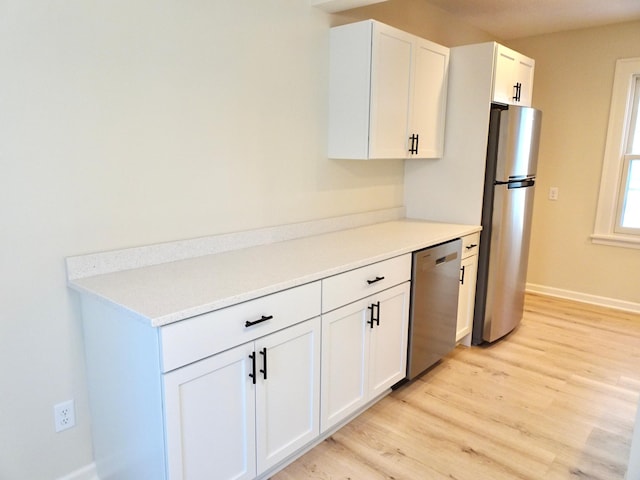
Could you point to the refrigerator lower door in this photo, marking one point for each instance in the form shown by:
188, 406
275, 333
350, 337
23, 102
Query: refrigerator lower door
508, 258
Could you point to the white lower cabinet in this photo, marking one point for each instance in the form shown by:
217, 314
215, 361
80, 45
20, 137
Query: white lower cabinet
364, 352
238, 413
238, 392
467, 295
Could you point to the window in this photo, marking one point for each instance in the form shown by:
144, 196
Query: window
630, 196
618, 214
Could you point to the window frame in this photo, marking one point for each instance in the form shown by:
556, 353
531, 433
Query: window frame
607, 229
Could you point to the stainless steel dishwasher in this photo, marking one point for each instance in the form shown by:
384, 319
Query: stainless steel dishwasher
434, 305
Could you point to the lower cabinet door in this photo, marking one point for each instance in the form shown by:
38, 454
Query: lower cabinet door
220, 425
467, 297
210, 418
287, 397
344, 362
364, 352
388, 348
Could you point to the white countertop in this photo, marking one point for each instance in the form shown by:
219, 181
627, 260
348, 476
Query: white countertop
169, 292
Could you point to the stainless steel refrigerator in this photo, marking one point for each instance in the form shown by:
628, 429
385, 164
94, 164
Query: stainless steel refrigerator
512, 156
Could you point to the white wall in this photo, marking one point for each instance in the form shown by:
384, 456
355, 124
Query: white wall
573, 82
125, 123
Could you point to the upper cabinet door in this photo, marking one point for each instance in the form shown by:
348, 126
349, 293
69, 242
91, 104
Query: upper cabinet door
524, 74
387, 93
428, 108
390, 92
513, 77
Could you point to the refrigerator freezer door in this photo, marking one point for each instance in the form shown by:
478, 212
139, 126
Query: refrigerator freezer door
517, 154
508, 258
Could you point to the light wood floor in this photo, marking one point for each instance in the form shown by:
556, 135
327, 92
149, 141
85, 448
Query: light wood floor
554, 400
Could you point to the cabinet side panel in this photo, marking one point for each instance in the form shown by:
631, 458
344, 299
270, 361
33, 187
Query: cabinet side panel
349, 90
451, 189
125, 393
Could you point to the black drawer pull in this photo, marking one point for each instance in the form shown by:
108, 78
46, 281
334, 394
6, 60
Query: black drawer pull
473, 245
255, 322
377, 279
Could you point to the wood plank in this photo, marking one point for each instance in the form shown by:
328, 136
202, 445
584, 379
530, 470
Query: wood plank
556, 399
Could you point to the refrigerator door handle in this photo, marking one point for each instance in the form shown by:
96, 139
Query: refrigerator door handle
527, 182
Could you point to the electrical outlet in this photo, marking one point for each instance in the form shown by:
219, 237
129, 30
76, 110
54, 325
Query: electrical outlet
553, 193
64, 415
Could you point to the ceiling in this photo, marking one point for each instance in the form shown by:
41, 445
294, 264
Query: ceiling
509, 19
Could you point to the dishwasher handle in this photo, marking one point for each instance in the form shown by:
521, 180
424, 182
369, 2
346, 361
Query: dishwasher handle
431, 258
447, 258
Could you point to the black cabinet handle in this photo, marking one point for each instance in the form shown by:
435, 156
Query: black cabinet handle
260, 320
253, 369
414, 143
518, 88
375, 315
377, 279
462, 276
263, 371
417, 143
371, 317
470, 246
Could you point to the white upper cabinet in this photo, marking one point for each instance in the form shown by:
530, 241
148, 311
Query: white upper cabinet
513, 77
387, 93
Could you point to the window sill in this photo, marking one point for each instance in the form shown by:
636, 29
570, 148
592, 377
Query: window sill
616, 240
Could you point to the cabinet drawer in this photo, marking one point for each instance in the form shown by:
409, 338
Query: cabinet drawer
356, 284
470, 245
199, 337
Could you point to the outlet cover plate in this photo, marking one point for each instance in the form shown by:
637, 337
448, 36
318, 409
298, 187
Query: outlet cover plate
64, 415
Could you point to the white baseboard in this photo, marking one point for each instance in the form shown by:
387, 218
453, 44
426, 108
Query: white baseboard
584, 298
88, 472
